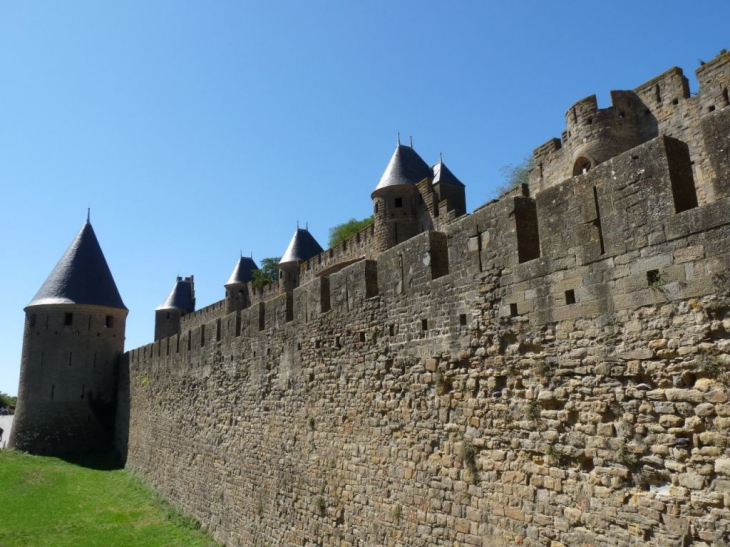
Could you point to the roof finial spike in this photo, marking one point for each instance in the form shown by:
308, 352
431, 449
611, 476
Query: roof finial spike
307, 226
241, 253
398, 138
411, 141
441, 157
88, 214
297, 224
251, 255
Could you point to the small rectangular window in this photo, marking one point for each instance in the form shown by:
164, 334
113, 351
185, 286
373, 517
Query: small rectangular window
570, 296
32, 320
424, 324
109, 322
513, 310
653, 277
391, 330
68, 319
462, 319
399, 202
362, 337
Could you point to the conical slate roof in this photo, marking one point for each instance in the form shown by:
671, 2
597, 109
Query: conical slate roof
181, 296
405, 167
243, 272
302, 247
441, 173
82, 276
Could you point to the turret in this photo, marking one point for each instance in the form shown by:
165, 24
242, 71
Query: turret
237, 296
302, 247
180, 302
449, 188
396, 199
597, 134
74, 336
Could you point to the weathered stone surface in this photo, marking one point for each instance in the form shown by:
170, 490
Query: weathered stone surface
539, 385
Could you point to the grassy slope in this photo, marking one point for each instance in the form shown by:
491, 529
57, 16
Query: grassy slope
50, 502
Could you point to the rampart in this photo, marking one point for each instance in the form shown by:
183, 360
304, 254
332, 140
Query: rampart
551, 370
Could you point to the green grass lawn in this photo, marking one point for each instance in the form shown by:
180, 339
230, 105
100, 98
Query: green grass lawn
48, 502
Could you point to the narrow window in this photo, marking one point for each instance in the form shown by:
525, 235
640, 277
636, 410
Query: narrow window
190, 340
424, 324
391, 330
598, 225
658, 94
238, 325
513, 310
218, 330
268, 351
376, 207
462, 319
725, 96
399, 202
32, 320
316, 344
299, 346
68, 319
528, 235
337, 341
168, 315
109, 321
362, 337
570, 296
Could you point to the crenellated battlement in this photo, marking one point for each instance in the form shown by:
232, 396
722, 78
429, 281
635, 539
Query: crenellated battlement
558, 235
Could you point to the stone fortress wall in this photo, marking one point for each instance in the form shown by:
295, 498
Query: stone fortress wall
549, 370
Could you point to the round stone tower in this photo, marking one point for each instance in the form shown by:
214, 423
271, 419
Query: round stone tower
180, 301
302, 247
595, 135
74, 336
237, 296
396, 199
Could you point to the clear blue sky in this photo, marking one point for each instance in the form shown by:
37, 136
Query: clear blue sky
196, 130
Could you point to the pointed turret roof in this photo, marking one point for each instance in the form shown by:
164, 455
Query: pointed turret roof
441, 173
182, 296
302, 247
82, 276
243, 272
405, 167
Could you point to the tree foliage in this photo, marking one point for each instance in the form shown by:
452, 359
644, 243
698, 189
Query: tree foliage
267, 273
343, 231
7, 400
514, 175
